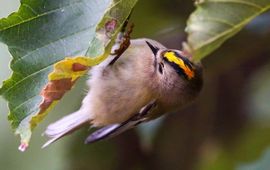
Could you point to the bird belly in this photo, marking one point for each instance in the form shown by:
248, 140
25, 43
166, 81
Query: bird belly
116, 93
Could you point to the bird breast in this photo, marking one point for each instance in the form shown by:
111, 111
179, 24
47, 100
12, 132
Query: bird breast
118, 91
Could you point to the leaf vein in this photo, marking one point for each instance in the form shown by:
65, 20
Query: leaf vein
27, 101
237, 26
219, 21
38, 16
48, 44
239, 2
30, 75
25, 78
31, 9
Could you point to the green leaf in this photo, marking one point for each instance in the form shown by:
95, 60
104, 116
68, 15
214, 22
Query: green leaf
44, 32
214, 21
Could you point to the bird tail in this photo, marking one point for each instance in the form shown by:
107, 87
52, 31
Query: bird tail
66, 125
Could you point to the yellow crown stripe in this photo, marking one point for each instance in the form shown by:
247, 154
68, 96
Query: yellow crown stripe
171, 57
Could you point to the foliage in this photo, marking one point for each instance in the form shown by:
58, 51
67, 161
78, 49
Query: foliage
214, 21
44, 33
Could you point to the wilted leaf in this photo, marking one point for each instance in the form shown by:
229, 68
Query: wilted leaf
42, 33
61, 80
214, 21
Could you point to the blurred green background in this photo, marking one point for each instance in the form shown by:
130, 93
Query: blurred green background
227, 128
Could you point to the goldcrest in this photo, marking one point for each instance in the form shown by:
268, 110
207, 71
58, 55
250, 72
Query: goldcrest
145, 82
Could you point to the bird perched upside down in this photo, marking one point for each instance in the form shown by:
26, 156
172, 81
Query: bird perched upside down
147, 81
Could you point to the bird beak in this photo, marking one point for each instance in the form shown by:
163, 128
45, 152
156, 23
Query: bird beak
153, 48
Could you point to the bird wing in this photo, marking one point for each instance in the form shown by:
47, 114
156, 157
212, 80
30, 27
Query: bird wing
116, 129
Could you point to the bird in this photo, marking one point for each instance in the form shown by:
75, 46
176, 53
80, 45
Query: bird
147, 81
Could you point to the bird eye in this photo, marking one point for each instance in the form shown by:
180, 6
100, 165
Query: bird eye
160, 67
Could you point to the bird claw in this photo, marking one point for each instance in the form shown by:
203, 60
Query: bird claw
125, 43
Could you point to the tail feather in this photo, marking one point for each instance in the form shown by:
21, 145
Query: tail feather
66, 125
